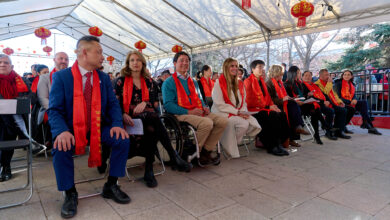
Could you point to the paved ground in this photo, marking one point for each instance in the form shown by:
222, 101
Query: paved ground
346, 179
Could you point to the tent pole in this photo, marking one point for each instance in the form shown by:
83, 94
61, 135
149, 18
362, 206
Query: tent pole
191, 62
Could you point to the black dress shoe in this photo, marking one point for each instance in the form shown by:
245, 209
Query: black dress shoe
205, 157
5, 174
318, 139
330, 135
341, 134
278, 151
347, 131
149, 179
69, 208
374, 131
179, 164
115, 193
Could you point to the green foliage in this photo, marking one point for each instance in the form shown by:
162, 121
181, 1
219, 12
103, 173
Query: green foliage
357, 56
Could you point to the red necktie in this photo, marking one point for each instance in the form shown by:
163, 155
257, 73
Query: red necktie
88, 98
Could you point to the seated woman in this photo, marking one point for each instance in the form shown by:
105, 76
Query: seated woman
275, 130
11, 87
294, 89
345, 89
284, 102
206, 84
311, 90
229, 101
138, 98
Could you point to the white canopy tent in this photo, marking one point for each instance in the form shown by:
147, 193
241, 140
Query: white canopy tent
197, 25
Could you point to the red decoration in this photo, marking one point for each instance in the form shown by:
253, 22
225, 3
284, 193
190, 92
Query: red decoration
34, 51
246, 4
110, 59
1, 45
302, 10
140, 45
42, 33
8, 51
19, 49
325, 35
47, 49
95, 31
372, 45
177, 49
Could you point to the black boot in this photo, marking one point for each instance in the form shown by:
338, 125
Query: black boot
69, 208
373, 130
318, 139
341, 134
278, 151
149, 178
330, 135
6, 173
179, 164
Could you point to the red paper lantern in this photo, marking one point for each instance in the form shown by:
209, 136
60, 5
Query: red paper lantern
34, 51
47, 49
42, 33
246, 4
8, 51
302, 10
19, 49
95, 31
1, 45
140, 45
177, 49
110, 59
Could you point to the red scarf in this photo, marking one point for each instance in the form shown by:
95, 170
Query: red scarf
11, 85
223, 85
207, 85
79, 117
347, 90
128, 92
183, 100
51, 74
281, 92
316, 90
34, 85
255, 99
331, 94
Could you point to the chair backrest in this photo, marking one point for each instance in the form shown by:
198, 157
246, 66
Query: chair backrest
17, 106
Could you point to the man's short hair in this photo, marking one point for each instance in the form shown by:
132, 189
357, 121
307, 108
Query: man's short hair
323, 70
87, 38
177, 55
165, 72
255, 63
27, 74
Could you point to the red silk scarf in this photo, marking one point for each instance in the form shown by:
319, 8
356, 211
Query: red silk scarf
51, 74
128, 92
347, 90
80, 118
281, 92
34, 85
208, 86
182, 98
331, 94
261, 100
11, 85
223, 85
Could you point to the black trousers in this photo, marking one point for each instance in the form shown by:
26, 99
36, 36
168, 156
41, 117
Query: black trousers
8, 132
329, 115
362, 107
315, 116
275, 129
294, 118
340, 117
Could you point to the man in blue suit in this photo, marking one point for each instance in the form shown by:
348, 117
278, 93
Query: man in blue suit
83, 109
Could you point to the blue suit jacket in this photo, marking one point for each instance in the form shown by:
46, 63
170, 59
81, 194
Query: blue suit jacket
61, 103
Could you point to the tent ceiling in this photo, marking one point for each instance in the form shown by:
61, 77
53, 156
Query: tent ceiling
197, 25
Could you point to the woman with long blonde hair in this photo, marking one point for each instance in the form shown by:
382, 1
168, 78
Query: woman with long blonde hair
138, 98
229, 101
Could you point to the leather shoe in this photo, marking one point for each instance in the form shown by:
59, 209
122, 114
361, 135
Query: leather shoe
294, 143
347, 131
330, 135
69, 208
205, 157
278, 151
318, 139
374, 131
300, 130
5, 174
341, 134
286, 143
180, 165
115, 193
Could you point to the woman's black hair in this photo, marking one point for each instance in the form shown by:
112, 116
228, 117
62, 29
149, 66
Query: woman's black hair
292, 74
40, 67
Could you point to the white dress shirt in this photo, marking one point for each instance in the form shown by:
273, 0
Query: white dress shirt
84, 77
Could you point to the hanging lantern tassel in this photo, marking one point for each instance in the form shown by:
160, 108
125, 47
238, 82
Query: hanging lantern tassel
246, 4
110, 59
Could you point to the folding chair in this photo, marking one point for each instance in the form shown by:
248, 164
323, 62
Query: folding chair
20, 107
246, 140
307, 123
